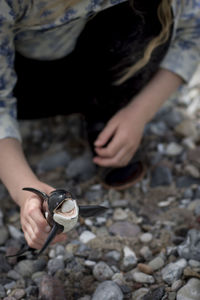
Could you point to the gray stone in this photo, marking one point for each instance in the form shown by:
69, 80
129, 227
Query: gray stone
142, 277
81, 168
155, 294
173, 271
12, 274
113, 255
190, 248
146, 237
15, 233
176, 285
125, 228
156, 263
51, 162
2, 291
55, 264
129, 260
186, 181
190, 291
139, 294
102, 271
87, 236
3, 235
161, 176
25, 268
108, 290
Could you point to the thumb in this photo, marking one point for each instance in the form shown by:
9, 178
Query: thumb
105, 135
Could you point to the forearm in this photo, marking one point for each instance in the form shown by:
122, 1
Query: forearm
15, 172
156, 92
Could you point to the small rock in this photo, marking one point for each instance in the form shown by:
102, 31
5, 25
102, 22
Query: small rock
146, 237
155, 294
173, 149
113, 255
86, 236
15, 232
173, 271
130, 259
3, 235
2, 291
190, 249
119, 214
146, 252
25, 268
142, 277
102, 271
139, 294
161, 176
55, 264
156, 263
176, 285
51, 289
18, 293
124, 228
190, 291
145, 268
107, 290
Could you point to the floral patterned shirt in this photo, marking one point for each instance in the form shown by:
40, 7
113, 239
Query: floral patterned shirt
57, 38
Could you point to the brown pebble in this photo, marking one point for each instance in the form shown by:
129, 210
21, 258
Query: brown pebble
145, 268
188, 272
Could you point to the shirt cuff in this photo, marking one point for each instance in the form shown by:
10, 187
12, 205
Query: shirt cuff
181, 62
9, 127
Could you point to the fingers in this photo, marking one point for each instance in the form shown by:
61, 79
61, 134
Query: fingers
34, 225
105, 135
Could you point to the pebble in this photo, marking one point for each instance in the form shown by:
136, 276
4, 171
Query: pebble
108, 290
145, 268
190, 291
129, 259
139, 294
146, 252
2, 291
156, 263
194, 263
119, 214
176, 285
146, 237
155, 294
161, 176
190, 248
173, 271
102, 271
15, 233
25, 268
18, 293
173, 149
142, 277
124, 229
3, 235
55, 264
87, 236
51, 162
113, 255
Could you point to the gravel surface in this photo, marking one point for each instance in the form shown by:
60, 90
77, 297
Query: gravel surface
146, 246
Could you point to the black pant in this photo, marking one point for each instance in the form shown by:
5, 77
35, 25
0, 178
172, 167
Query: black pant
83, 80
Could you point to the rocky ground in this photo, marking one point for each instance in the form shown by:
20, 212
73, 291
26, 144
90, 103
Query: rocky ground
146, 246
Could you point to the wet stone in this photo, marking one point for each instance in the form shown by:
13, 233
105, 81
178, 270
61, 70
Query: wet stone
108, 290
102, 271
124, 229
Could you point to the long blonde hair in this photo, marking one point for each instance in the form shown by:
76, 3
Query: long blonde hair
164, 15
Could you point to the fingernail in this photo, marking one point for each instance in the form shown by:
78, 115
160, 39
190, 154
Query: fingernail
47, 228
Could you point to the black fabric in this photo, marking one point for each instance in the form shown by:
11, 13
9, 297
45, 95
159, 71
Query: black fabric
83, 81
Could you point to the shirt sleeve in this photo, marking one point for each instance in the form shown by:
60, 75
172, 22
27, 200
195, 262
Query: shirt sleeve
183, 55
8, 113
